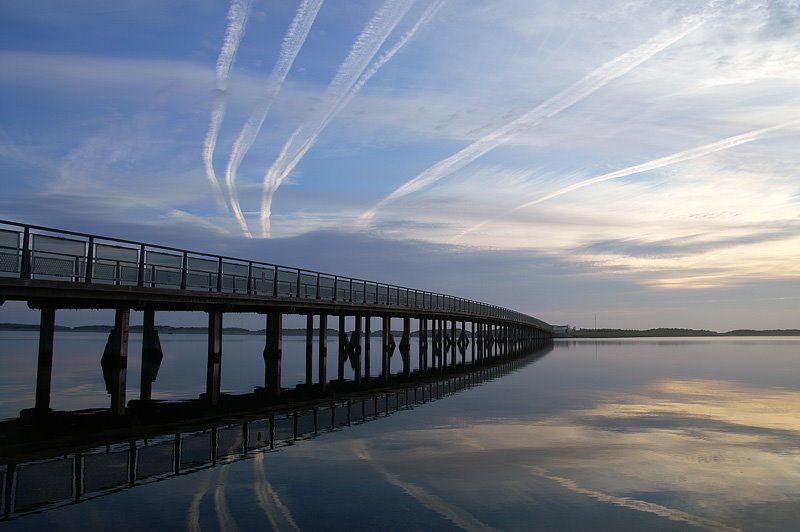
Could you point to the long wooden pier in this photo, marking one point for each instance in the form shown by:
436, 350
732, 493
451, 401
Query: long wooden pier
53, 269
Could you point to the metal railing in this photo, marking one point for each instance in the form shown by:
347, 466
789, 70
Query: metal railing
35, 252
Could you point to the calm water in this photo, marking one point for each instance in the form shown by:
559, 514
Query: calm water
636, 434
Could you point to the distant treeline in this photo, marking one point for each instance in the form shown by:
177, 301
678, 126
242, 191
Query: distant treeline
667, 332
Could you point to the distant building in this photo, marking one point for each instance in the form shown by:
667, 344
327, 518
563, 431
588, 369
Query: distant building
561, 330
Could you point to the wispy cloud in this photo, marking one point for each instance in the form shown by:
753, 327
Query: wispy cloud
686, 155
290, 47
237, 22
343, 87
589, 84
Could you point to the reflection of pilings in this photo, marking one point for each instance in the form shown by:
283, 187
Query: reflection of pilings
176, 454
44, 370
8, 490
214, 367
272, 354
133, 463
77, 477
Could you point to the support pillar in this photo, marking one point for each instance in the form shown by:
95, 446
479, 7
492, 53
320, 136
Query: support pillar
44, 372
481, 339
435, 347
273, 354
115, 361
453, 343
151, 355
405, 347
323, 351
214, 367
474, 341
357, 350
342, 346
309, 350
423, 346
386, 334
367, 334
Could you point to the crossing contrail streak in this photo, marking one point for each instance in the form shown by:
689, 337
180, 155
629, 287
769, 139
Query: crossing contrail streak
686, 155
292, 43
570, 96
237, 21
276, 180
341, 89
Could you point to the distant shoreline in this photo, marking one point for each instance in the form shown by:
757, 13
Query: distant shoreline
674, 333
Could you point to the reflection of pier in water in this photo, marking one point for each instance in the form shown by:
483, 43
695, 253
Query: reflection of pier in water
35, 484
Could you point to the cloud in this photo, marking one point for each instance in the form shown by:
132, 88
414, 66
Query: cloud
345, 84
593, 81
686, 155
292, 43
238, 13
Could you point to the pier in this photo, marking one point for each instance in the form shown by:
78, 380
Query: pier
52, 270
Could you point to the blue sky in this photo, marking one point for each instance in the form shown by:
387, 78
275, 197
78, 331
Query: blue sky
631, 160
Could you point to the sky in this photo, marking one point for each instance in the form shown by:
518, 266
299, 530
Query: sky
628, 163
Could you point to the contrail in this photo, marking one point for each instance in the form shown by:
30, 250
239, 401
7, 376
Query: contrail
686, 155
341, 89
578, 91
272, 183
292, 43
237, 21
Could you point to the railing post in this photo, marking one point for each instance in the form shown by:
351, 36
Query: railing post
219, 274
275, 283
90, 261
297, 291
350, 299
318, 297
335, 287
25, 266
249, 278
184, 270
140, 277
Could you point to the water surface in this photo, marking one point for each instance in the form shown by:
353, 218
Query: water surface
663, 434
